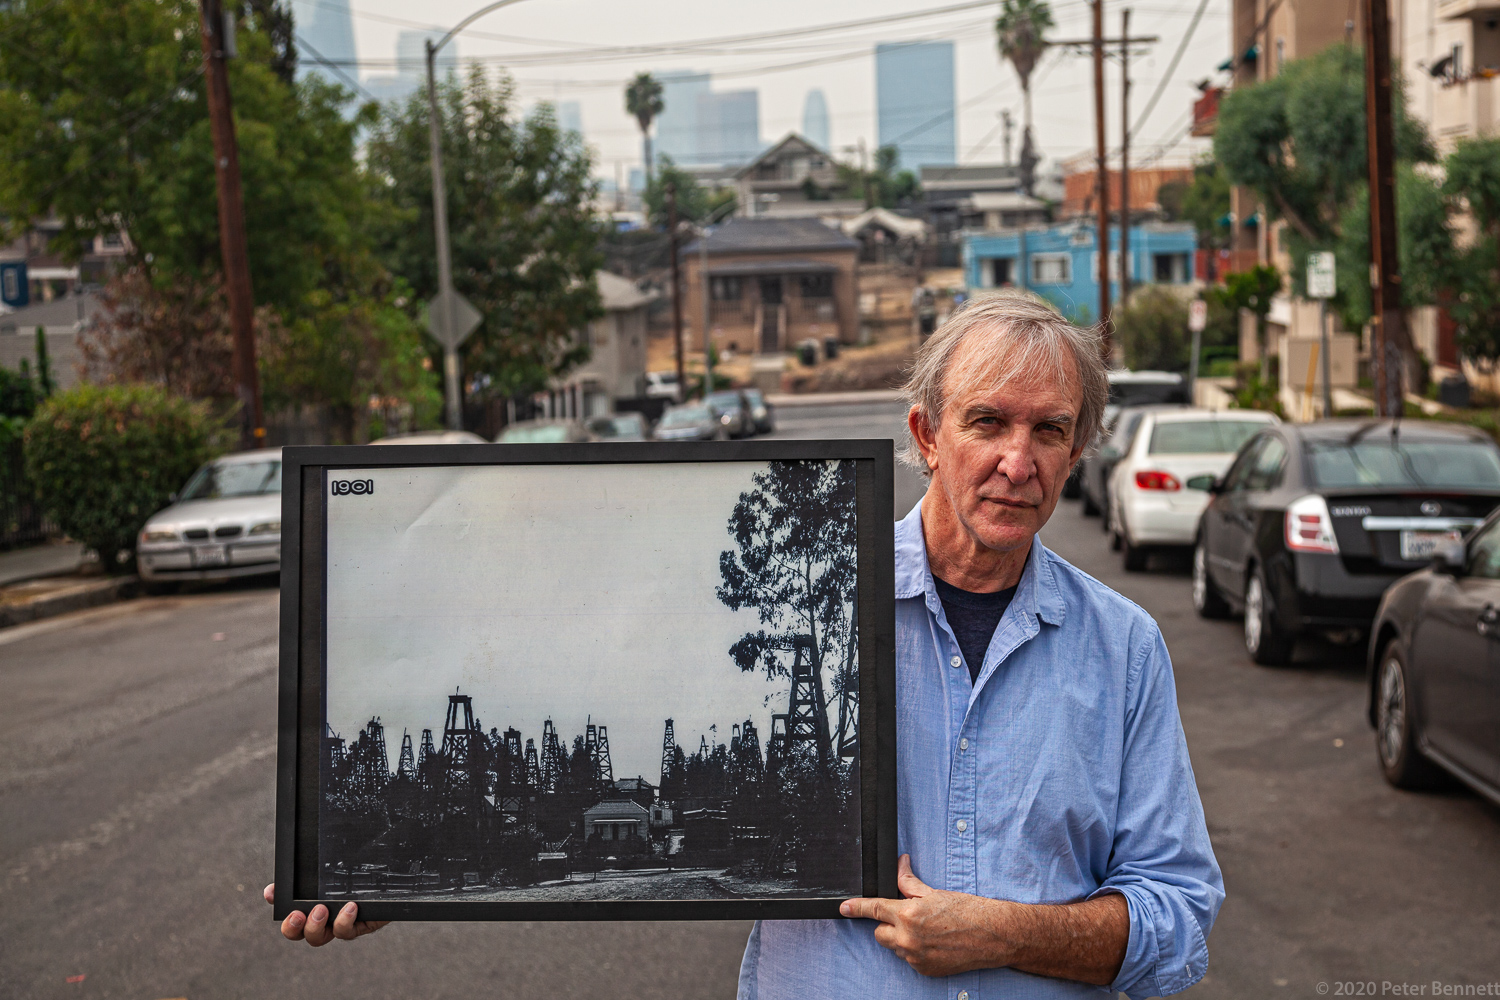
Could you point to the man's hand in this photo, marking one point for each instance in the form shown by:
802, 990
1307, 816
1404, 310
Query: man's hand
940, 933
937, 933
314, 927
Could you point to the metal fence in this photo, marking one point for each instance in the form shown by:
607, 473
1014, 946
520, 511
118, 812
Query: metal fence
21, 520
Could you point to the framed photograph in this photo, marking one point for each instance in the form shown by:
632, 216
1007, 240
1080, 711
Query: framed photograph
587, 681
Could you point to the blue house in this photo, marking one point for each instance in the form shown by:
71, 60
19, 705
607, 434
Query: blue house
1060, 262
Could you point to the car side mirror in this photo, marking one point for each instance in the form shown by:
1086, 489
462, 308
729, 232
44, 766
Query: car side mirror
1450, 559
1206, 483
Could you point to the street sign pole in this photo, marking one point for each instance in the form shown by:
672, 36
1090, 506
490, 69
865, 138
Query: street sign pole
1321, 285
1197, 320
443, 300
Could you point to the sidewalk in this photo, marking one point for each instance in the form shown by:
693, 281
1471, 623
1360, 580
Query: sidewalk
39, 561
44, 580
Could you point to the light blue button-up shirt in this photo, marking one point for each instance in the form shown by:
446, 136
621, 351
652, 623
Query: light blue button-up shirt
1061, 774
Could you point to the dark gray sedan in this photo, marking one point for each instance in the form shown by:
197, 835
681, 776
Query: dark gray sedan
1434, 669
694, 422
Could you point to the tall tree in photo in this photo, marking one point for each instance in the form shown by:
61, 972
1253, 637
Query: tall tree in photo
793, 562
643, 102
1021, 31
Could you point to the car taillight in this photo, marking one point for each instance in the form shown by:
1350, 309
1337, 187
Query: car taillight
1309, 528
1156, 481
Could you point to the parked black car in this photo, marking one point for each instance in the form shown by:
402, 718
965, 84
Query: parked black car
1313, 522
733, 411
1125, 389
1434, 679
761, 411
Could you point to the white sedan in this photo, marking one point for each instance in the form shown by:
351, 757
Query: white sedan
226, 522
1159, 488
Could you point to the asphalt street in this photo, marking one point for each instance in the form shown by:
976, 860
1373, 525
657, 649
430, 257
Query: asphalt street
136, 788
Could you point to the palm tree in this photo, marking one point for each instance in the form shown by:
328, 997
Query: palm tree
643, 100
1021, 31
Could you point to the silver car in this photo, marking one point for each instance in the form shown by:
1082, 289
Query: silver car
226, 522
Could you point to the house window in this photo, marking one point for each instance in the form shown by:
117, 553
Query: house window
725, 289
1052, 269
817, 286
1169, 268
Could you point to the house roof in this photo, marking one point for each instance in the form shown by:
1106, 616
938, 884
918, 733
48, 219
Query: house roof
619, 294
773, 236
791, 139
885, 218
997, 201
617, 808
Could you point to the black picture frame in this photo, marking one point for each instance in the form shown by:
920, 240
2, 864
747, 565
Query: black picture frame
301, 711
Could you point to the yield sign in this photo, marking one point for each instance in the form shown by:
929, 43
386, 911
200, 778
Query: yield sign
451, 318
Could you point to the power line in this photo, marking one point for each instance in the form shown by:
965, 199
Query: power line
302, 43
1171, 68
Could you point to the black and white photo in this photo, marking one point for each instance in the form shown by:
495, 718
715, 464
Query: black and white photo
588, 682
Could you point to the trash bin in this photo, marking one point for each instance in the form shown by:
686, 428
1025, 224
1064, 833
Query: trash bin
1454, 391
830, 347
807, 352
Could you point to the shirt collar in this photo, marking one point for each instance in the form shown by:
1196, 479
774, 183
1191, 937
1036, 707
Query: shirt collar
1036, 595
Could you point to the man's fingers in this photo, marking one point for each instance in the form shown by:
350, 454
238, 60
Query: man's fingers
907, 881
343, 924
316, 932
866, 909
291, 927
269, 892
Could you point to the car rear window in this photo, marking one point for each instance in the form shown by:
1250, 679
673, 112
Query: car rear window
1140, 393
1200, 437
1394, 463
218, 480
535, 434
685, 416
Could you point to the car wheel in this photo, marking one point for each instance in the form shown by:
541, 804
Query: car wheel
1395, 729
1106, 512
1207, 600
1133, 557
1264, 640
1090, 509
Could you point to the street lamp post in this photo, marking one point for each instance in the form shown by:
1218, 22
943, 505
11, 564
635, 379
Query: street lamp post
447, 312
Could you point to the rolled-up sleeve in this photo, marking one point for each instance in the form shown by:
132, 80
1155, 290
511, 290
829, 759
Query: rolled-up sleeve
1162, 861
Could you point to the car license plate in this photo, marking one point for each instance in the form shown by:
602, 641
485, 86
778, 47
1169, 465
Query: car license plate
205, 556
1417, 546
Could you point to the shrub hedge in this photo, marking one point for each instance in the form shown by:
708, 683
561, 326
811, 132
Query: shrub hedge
105, 458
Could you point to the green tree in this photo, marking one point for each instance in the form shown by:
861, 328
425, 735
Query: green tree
695, 202
1473, 180
524, 235
643, 102
1254, 289
105, 458
1204, 202
1153, 330
886, 185
1021, 32
1298, 141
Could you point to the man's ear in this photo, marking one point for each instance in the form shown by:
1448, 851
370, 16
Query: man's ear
924, 434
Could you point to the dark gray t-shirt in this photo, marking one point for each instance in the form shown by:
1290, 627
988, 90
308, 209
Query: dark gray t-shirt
973, 618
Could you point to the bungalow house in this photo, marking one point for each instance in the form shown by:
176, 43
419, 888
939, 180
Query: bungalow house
617, 354
771, 283
794, 179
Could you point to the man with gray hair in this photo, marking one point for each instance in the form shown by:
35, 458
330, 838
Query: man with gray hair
1051, 837
1052, 841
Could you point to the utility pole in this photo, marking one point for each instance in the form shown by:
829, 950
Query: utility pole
217, 31
1102, 179
444, 301
708, 356
671, 191
1386, 319
1124, 156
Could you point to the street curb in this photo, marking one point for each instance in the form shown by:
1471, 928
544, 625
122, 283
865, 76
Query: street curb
788, 400
85, 595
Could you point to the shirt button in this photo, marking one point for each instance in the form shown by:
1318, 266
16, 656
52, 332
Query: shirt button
962, 826
957, 661
963, 744
963, 995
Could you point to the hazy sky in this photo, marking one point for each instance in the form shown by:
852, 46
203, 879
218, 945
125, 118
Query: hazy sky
840, 64
541, 591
